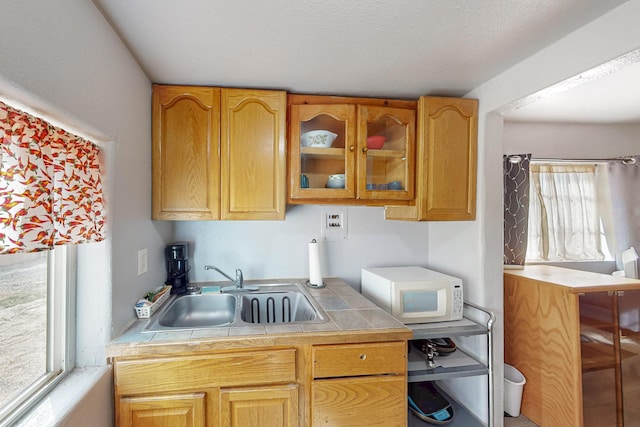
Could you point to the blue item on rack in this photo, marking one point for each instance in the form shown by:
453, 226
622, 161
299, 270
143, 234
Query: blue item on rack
428, 404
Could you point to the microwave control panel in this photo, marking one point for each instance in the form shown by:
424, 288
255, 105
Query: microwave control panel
458, 302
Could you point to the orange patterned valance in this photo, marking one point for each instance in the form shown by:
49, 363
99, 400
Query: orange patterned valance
50, 185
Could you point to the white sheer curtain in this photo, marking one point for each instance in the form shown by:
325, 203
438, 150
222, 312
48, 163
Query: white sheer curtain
564, 214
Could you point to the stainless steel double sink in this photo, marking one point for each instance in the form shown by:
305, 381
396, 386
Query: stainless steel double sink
272, 303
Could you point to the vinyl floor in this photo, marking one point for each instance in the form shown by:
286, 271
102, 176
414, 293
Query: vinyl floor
520, 421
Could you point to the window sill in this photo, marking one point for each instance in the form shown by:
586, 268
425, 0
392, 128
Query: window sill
63, 401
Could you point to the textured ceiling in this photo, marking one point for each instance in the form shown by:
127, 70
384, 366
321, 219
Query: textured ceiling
378, 48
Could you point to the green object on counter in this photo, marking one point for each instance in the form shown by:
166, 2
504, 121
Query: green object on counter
151, 295
210, 289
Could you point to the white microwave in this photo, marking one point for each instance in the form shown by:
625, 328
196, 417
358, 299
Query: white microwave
414, 294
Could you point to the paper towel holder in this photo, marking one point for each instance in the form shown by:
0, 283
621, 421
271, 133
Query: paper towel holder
317, 268
311, 285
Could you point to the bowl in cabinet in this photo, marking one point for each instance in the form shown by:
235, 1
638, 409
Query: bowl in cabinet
317, 138
376, 142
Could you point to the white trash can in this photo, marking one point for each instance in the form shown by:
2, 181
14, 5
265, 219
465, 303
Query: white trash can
513, 386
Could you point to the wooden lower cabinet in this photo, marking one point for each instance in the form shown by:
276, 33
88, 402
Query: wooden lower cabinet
359, 384
275, 406
260, 406
217, 389
367, 401
179, 410
346, 384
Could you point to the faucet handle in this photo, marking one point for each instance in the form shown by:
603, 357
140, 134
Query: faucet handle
239, 276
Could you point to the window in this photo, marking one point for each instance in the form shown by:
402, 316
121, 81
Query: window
565, 213
50, 200
37, 291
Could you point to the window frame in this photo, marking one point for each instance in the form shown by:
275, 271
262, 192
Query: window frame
61, 333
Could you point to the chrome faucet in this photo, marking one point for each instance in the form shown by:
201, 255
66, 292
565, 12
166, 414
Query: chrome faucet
238, 282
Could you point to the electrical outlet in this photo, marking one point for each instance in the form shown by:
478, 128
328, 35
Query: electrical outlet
334, 225
142, 261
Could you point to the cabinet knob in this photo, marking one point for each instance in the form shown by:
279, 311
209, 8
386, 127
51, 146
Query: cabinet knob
363, 356
365, 149
352, 148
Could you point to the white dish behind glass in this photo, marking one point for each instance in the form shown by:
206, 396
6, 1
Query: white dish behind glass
336, 181
317, 138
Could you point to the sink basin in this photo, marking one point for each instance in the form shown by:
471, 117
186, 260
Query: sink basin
276, 307
273, 303
198, 311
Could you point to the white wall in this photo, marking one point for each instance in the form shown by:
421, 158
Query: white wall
279, 249
63, 58
571, 140
65, 54
610, 36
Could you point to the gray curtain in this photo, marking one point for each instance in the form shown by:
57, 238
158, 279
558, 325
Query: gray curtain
516, 207
624, 182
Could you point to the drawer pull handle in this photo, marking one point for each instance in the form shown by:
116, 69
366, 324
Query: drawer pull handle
363, 356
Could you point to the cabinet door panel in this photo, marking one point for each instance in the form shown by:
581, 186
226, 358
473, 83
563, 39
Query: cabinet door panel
450, 132
610, 348
630, 355
186, 165
318, 163
362, 401
599, 347
253, 181
387, 172
183, 410
260, 406
446, 162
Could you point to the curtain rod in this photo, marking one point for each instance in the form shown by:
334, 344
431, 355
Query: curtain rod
627, 160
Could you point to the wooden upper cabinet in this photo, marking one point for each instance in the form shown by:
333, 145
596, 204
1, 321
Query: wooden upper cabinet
253, 153
218, 153
185, 158
446, 162
372, 175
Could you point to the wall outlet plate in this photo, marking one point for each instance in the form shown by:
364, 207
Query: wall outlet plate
142, 261
333, 226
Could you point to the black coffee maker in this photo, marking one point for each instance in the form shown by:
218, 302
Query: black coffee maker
177, 257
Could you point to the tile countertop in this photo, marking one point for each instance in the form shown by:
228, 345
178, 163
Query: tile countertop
350, 318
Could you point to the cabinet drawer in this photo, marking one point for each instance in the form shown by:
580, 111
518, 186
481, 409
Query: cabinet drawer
359, 359
362, 401
199, 372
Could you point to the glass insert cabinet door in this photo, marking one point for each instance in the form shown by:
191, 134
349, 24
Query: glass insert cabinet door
351, 151
323, 143
386, 163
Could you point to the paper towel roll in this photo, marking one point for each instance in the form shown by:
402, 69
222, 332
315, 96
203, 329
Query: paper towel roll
315, 272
